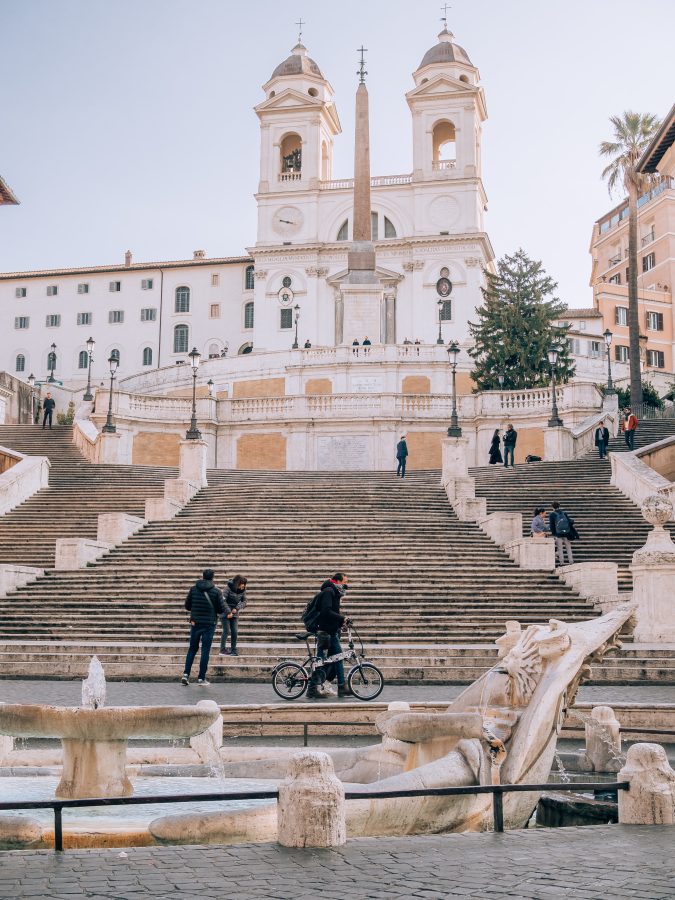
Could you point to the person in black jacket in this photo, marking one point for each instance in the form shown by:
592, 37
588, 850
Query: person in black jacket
495, 452
49, 407
563, 530
510, 438
602, 439
234, 598
204, 602
401, 456
329, 623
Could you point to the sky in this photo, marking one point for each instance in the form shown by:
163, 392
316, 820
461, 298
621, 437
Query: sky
128, 124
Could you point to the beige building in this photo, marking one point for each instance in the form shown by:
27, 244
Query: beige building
656, 262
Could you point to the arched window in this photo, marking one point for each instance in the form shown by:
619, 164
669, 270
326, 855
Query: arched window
443, 146
147, 356
115, 354
446, 311
291, 157
250, 278
82, 359
214, 351
245, 348
389, 230
180, 339
249, 314
343, 233
20, 363
182, 299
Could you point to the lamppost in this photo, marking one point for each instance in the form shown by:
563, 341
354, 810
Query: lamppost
297, 316
500, 379
51, 364
90, 347
194, 434
453, 352
109, 427
607, 334
31, 382
555, 421
210, 386
439, 339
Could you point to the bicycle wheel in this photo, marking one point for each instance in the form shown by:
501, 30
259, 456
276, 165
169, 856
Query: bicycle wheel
289, 681
366, 681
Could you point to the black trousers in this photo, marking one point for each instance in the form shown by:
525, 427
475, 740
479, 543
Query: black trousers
48, 415
401, 466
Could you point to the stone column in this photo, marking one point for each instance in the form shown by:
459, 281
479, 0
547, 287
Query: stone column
603, 741
311, 807
651, 798
653, 570
193, 456
109, 447
390, 318
339, 317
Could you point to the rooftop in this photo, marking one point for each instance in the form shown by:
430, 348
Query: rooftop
122, 267
6, 194
661, 143
298, 63
581, 313
445, 51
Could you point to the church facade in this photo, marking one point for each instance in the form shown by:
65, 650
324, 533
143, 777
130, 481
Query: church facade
427, 227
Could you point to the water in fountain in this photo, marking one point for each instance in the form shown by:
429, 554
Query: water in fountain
562, 771
94, 686
603, 733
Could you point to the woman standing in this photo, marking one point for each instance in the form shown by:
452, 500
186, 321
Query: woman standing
234, 598
495, 452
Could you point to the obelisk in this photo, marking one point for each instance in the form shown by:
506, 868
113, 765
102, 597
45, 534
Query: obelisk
360, 311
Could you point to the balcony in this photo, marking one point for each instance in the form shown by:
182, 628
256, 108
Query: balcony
347, 184
442, 164
615, 260
290, 176
647, 239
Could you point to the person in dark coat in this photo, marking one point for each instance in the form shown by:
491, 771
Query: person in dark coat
510, 438
329, 623
204, 602
562, 537
602, 439
234, 600
401, 456
495, 452
49, 406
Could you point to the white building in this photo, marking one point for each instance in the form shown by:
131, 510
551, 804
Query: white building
427, 224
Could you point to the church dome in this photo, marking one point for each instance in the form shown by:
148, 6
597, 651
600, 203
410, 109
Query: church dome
298, 63
445, 51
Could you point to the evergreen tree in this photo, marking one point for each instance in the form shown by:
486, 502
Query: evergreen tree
516, 328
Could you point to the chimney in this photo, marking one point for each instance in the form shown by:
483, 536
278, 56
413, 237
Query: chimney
199, 254
127, 258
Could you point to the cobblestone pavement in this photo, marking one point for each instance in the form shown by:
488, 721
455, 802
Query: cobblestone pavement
145, 693
594, 863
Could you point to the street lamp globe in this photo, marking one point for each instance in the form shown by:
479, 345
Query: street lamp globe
607, 334
453, 352
31, 379
210, 385
90, 344
195, 356
553, 355
113, 363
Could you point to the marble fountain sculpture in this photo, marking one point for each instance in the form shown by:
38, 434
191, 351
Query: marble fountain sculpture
94, 737
502, 729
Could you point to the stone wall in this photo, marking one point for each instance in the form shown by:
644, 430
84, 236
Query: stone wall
316, 386
154, 448
416, 384
262, 451
424, 448
259, 387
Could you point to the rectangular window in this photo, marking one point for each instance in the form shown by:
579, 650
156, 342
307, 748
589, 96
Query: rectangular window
648, 262
21, 322
214, 311
594, 348
655, 321
116, 316
83, 289
115, 287
53, 321
574, 345
149, 314
286, 318
582, 326
215, 279
146, 284
84, 318
627, 273
656, 359
52, 290
621, 353
20, 292
615, 279
621, 315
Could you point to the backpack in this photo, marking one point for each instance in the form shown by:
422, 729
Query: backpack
310, 617
563, 526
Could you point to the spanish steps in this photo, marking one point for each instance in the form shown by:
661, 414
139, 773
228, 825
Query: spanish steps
428, 592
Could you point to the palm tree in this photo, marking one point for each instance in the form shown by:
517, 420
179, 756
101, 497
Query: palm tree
632, 133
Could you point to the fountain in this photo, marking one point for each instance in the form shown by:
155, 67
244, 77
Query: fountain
94, 737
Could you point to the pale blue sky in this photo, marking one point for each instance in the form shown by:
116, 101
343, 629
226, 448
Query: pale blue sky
129, 123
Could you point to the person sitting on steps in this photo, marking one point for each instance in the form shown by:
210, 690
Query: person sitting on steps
329, 623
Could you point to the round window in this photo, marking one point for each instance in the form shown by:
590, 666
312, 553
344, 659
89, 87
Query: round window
286, 281
445, 272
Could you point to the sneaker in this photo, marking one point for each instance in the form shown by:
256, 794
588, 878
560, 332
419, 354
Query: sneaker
327, 689
185, 679
203, 681
234, 653
313, 693
224, 653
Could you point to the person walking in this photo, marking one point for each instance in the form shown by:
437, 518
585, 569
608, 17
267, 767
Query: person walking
510, 438
204, 602
49, 406
329, 622
401, 456
234, 600
562, 529
539, 527
602, 439
629, 425
495, 452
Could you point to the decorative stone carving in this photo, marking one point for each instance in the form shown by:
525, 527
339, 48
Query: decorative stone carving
316, 271
472, 262
651, 797
413, 265
653, 570
311, 808
510, 637
657, 510
260, 274
603, 742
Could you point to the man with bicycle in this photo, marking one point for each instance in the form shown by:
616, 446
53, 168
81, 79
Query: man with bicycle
329, 624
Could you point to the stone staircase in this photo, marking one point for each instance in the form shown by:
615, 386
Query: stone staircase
649, 431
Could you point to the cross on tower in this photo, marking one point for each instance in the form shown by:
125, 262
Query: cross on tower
444, 17
362, 65
300, 23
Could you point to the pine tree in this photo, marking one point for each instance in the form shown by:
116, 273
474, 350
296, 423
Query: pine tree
516, 328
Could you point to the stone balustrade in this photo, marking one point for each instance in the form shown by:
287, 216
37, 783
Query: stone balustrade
22, 478
637, 480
